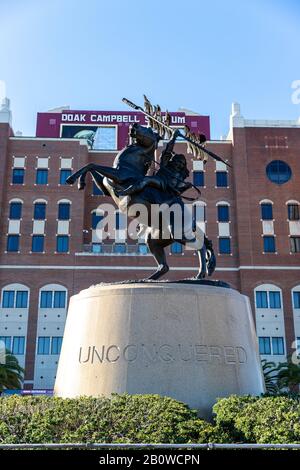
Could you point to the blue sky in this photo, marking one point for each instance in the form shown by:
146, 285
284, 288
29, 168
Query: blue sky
202, 55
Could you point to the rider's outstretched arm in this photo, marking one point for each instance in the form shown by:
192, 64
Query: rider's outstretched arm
168, 151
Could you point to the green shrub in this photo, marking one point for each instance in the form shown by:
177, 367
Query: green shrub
260, 420
147, 418
122, 418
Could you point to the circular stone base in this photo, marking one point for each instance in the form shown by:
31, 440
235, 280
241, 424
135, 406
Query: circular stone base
190, 342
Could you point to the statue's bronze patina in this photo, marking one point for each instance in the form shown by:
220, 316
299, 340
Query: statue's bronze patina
129, 183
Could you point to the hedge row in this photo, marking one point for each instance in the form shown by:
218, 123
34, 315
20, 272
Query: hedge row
147, 418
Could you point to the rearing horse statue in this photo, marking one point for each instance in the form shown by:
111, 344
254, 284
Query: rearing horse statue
126, 182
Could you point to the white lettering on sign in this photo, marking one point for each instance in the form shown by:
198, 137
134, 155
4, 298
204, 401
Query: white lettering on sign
111, 118
73, 117
178, 119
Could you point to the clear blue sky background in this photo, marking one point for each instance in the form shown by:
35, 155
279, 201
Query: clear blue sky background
196, 54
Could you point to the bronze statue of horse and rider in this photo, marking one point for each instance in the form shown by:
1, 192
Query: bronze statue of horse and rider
128, 183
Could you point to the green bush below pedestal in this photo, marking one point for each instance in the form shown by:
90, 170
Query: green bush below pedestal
147, 418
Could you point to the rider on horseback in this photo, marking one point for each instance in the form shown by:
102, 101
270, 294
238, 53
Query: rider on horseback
169, 178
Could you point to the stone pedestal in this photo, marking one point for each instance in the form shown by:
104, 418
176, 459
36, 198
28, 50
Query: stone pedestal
190, 342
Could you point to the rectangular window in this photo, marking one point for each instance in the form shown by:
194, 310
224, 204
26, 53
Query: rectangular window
41, 176
277, 345
142, 248
64, 211
59, 299
7, 342
223, 213
96, 218
198, 178
62, 244
37, 244
296, 299
176, 248
18, 176
39, 211
293, 212
295, 244
97, 247
96, 191
15, 210
46, 299
8, 299
222, 179
269, 244
18, 345
64, 174
266, 211
43, 345
56, 344
275, 301
13, 243
261, 298
224, 245
264, 345
105, 138
120, 248
22, 299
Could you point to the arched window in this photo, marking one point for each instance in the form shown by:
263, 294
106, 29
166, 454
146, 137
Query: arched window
64, 210
15, 209
268, 296
296, 298
15, 296
266, 209
293, 210
39, 211
53, 296
296, 315
223, 211
269, 320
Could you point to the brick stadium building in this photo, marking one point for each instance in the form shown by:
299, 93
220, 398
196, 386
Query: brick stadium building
49, 250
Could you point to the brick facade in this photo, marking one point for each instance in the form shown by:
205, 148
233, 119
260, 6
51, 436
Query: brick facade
249, 149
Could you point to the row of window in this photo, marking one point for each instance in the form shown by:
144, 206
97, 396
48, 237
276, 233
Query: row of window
49, 345
269, 244
41, 176
293, 212
57, 299
37, 243
271, 345
272, 299
19, 299
45, 344
62, 243
15, 344
221, 179
39, 210
52, 345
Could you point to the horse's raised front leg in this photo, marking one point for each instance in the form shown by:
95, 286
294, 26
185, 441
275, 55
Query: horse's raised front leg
156, 247
116, 175
82, 171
